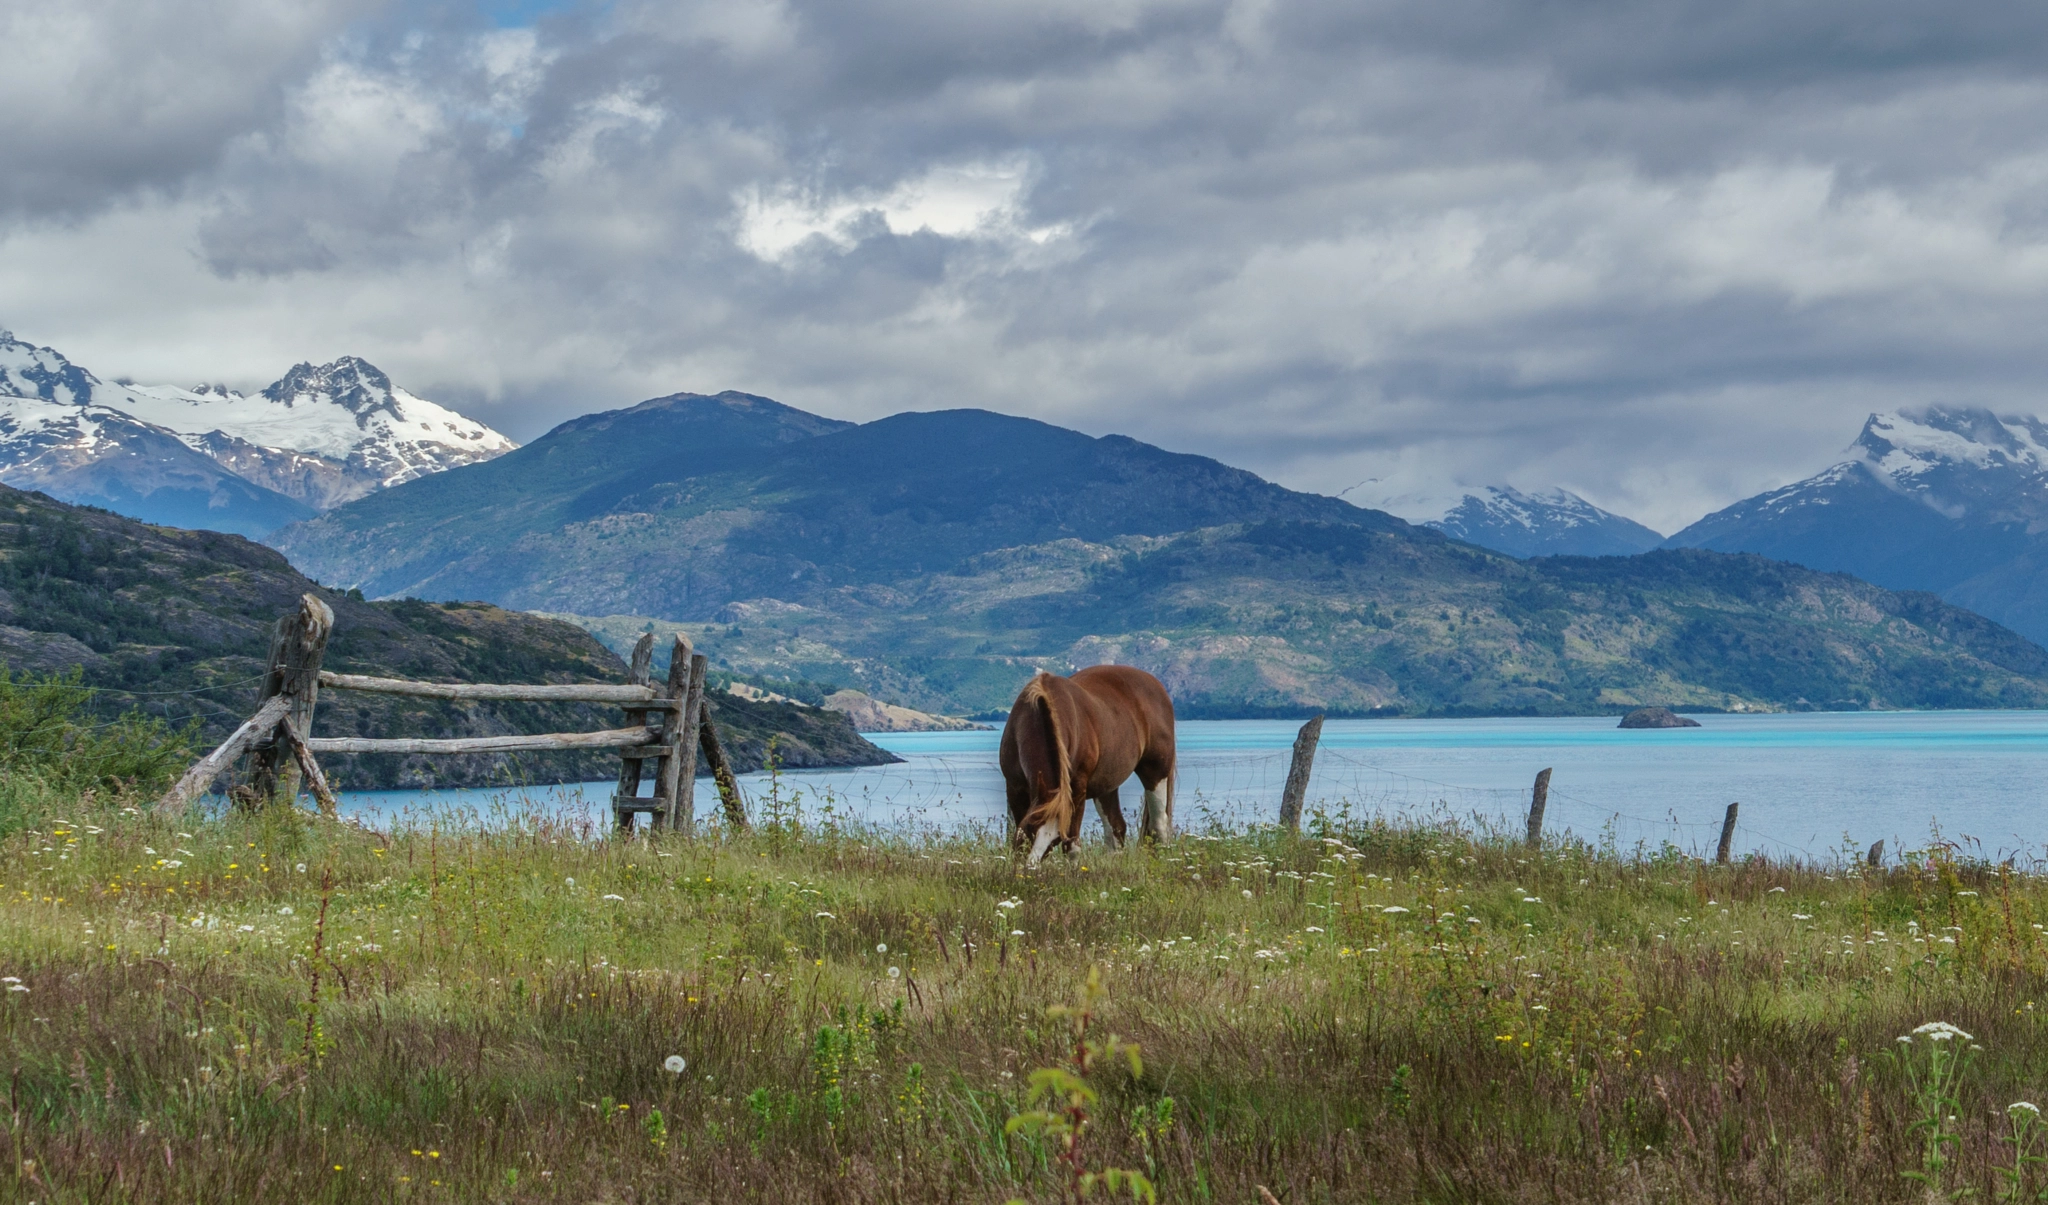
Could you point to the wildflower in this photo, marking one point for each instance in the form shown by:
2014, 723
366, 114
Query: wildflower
1801, 916
674, 1063
1247, 893
1313, 929
569, 882
16, 987
2027, 1106
1392, 908
895, 972
285, 911
881, 947
620, 898
1941, 1031
824, 916
1016, 932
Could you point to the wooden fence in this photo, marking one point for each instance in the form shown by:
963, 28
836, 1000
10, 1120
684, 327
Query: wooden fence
666, 723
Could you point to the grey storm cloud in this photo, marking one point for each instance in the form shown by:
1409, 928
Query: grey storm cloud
1664, 253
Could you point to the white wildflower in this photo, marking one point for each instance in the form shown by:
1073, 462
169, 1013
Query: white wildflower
895, 972
1016, 932
881, 947
2024, 1106
1940, 1031
285, 911
1392, 908
674, 1063
1247, 893
620, 898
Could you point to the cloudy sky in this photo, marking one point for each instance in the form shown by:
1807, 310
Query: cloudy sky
1663, 252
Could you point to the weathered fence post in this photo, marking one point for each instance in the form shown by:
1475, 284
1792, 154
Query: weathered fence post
296, 651
1537, 798
1727, 835
1876, 856
1296, 791
681, 769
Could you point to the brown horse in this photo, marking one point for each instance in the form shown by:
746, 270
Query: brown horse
1070, 740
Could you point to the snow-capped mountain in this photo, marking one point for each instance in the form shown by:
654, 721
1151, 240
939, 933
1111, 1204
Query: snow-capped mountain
324, 434
1947, 499
1553, 522
98, 456
321, 436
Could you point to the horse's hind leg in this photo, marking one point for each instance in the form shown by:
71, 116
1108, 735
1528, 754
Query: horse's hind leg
1156, 821
1112, 812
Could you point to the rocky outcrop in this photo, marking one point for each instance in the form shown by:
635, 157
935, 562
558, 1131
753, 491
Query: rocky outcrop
873, 715
1656, 717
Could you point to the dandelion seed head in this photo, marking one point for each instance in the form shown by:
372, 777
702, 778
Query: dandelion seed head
881, 947
674, 1063
895, 972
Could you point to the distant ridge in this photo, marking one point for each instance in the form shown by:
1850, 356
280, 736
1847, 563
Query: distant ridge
1948, 499
1553, 522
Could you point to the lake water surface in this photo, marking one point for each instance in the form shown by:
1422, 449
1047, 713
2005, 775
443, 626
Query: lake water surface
1805, 782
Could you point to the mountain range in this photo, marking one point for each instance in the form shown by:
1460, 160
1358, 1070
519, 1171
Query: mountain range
935, 559
214, 458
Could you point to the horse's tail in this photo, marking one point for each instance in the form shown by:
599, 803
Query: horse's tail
1049, 816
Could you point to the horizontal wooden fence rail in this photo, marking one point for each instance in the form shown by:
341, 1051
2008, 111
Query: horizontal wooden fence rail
648, 739
667, 725
624, 696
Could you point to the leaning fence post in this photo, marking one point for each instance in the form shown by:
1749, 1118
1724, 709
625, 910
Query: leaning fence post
1297, 774
1727, 835
296, 650
721, 773
1876, 857
1537, 798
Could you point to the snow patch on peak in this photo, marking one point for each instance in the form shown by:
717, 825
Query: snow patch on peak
1953, 458
1554, 507
42, 372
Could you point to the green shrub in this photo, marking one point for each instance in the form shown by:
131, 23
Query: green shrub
48, 732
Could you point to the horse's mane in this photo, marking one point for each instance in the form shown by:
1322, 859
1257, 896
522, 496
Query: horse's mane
1061, 801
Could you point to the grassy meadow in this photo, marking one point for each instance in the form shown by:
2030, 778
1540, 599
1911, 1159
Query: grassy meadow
234, 1007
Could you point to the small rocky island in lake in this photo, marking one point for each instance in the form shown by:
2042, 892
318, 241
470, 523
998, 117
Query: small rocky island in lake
1656, 717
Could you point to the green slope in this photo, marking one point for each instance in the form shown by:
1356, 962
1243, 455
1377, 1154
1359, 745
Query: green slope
178, 623
1287, 618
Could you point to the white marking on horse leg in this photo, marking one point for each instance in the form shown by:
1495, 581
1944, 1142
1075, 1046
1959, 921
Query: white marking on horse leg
1047, 834
1159, 811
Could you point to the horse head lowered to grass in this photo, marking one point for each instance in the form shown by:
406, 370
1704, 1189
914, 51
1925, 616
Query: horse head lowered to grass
1069, 740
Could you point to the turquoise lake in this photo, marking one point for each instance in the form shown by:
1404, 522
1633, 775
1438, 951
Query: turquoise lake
1806, 783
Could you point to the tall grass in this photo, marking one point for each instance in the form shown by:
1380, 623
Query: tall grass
1375, 1012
